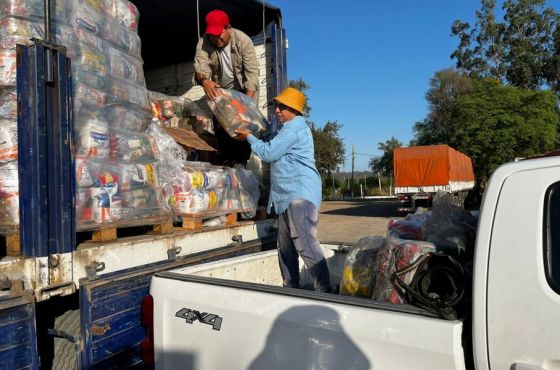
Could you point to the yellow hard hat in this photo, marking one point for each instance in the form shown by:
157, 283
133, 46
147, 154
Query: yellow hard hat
292, 98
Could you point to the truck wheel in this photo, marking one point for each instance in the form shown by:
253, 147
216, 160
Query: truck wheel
65, 356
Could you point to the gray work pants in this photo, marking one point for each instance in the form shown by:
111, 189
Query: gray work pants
297, 235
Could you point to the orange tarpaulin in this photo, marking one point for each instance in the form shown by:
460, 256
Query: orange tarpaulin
430, 165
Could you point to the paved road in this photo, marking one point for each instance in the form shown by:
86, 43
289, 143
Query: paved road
353, 220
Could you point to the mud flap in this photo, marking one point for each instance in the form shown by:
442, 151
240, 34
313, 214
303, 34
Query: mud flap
18, 334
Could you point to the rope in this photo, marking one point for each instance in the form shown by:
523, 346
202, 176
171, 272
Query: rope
264, 22
198, 18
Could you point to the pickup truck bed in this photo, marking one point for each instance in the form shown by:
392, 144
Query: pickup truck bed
245, 294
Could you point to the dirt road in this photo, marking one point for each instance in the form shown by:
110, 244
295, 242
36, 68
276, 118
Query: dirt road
352, 220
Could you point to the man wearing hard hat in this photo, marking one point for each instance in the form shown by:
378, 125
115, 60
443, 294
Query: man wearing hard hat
295, 190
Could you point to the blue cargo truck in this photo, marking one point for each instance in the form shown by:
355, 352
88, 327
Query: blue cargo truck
71, 304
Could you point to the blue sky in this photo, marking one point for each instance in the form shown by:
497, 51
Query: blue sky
369, 62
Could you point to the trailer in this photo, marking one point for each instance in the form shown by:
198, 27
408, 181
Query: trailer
65, 304
422, 171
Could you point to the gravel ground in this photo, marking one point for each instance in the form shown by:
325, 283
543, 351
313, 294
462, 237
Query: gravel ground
351, 220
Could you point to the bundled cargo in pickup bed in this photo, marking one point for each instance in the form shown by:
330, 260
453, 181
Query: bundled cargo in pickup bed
422, 171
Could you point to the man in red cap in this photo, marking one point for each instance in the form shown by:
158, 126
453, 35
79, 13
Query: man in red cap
225, 57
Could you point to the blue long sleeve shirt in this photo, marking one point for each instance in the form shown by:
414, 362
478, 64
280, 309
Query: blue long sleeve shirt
293, 174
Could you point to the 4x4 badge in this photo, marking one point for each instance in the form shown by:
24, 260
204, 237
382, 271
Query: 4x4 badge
191, 316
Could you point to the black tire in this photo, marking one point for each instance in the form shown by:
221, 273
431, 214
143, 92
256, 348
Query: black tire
65, 356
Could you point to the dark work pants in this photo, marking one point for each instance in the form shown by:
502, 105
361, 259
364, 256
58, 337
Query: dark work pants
297, 235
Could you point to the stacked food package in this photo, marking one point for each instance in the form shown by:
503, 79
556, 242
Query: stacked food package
115, 158
201, 188
175, 111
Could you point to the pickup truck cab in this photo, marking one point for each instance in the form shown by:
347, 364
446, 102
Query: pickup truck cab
235, 314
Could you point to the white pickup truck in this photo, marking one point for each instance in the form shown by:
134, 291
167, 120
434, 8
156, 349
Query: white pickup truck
235, 314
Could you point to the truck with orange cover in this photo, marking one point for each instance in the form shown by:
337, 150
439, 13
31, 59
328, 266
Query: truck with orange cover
422, 171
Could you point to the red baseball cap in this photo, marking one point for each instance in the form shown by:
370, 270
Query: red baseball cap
216, 20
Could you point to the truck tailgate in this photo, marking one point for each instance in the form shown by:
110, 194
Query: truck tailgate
207, 323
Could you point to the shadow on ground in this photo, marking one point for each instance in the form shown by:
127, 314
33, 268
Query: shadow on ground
367, 208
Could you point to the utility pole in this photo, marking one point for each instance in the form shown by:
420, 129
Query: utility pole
352, 181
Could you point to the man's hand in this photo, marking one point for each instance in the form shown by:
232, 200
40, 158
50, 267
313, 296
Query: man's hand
250, 93
211, 89
242, 134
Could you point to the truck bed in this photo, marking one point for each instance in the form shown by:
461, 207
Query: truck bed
235, 314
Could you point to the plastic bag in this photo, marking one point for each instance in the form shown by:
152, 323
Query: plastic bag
358, 274
408, 228
127, 146
8, 141
8, 67
398, 255
450, 227
8, 103
250, 192
18, 31
235, 110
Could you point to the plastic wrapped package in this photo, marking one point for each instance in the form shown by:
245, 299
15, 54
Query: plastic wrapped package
127, 146
127, 14
235, 110
19, 31
7, 67
202, 122
249, 192
93, 60
8, 103
450, 227
88, 95
93, 138
82, 76
408, 228
117, 10
8, 141
9, 177
358, 274
86, 18
125, 67
174, 111
83, 172
91, 19
130, 94
120, 192
34, 8
9, 194
122, 38
123, 117
404, 253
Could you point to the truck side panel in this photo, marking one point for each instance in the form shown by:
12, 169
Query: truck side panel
18, 336
202, 322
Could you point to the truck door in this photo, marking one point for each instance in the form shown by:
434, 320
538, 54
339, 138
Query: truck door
18, 336
111, 304
523, 299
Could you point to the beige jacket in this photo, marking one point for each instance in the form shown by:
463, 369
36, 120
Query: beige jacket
243, 60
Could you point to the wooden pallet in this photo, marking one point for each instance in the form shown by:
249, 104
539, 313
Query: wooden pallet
108, 232
195, 221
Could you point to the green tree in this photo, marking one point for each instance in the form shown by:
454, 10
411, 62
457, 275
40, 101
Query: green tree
495, 124
445, 88
519, 50
329, 148
384, 163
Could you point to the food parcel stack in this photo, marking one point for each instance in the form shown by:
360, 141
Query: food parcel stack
201, 194
117, 180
